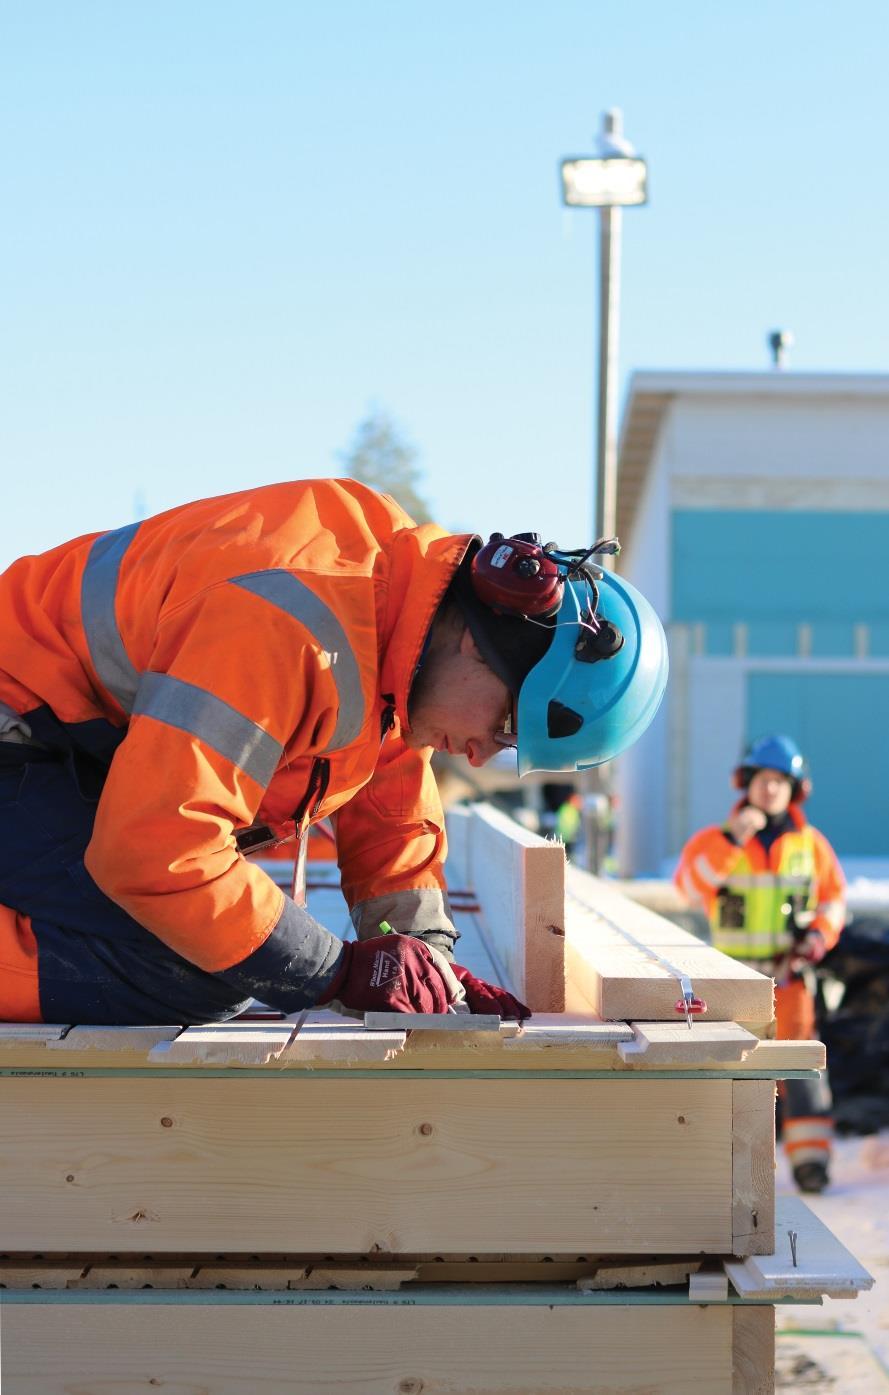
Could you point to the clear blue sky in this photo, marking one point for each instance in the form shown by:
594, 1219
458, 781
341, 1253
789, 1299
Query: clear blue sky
229, 228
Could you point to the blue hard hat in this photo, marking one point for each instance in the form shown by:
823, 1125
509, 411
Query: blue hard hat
775, 752
599, 683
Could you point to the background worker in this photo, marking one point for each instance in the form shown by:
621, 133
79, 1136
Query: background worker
183, 691
773, 892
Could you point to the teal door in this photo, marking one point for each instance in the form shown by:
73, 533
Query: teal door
839, 721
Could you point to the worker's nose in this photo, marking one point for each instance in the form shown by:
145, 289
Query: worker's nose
480, 750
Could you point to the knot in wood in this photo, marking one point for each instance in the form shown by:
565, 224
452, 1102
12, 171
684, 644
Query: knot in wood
410, 1387
426, 1130
166, 1122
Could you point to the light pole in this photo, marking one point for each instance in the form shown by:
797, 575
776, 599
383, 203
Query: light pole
615, 178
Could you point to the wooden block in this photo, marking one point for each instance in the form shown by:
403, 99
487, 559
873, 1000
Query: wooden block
653, 1273
569, 1030
437, 1022
708, 1286
247, 1277
357, 1278
39, 1274
753, 1167
753, 1342
546, 1167
672, 1043
140, 1040
306, 1344
824, 1265
128, 1276
342, 1043
608, 974
11, 1032
225, 1044
519, 879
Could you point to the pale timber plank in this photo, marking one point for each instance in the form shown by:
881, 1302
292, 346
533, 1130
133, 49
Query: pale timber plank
57, 1273
754, 1351
437, 1022
753, 1167
707, 1286
227, 1044
140, 1040
591, 1048
338, 1349
247, 1276
519, 879
416, 1166
609, 975
672, 1043
567, 1029
129, 1277
824, 1265
11, 1032
334, 1043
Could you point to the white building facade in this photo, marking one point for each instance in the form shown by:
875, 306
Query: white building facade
753, 509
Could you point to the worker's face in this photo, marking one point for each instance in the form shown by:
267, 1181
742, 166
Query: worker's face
460, 706
770, 791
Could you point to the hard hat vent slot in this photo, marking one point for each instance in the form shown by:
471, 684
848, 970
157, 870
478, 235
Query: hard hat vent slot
561, 720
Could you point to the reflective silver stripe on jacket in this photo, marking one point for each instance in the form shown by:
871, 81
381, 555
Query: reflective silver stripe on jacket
291, 595
98, 594
219, 726
707, 872
780, 881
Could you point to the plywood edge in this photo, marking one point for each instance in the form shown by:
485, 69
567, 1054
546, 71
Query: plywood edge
823, 1264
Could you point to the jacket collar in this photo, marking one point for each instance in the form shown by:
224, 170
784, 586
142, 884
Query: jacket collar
422, 562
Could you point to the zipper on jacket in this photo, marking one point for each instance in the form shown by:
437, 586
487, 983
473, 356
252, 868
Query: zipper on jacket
319, 779
387, 716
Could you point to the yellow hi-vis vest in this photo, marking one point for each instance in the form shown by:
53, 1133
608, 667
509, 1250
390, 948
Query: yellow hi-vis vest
754, 914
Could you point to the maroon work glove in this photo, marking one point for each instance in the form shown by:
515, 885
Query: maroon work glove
811, 948
390, 973
487, 997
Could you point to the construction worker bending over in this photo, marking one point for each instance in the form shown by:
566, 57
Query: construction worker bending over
773, 891
193, 687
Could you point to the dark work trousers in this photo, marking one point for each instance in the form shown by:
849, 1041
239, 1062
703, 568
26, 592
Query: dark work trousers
95, 963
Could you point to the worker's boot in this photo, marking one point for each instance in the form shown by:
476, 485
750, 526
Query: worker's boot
811, 1176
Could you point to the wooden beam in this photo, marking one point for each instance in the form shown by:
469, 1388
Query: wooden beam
609, 974
753, 1167
383, 1348
519, 879
549, 1041
300, 1164
753, 1331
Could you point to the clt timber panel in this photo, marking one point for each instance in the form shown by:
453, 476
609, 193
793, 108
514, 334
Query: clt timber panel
486, 1343
305, 1162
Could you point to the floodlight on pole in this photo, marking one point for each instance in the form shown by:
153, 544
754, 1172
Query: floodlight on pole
612, 179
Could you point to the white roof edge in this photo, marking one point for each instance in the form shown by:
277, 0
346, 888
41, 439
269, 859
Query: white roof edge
770, 382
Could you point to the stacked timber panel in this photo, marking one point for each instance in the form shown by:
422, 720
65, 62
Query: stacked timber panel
315, 1208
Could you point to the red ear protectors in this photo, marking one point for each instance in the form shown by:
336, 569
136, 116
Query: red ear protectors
516, 576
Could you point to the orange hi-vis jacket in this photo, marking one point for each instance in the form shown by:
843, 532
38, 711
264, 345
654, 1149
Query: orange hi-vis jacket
241, 661
749, 892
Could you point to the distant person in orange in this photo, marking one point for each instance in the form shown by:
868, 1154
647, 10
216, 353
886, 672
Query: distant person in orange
773, 891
